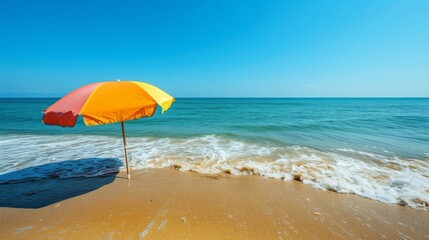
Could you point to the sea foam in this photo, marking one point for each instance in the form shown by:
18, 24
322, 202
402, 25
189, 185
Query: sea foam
384, 178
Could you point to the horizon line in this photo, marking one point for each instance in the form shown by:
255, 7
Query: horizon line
229, 97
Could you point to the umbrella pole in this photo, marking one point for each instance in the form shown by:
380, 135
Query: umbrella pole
125, 150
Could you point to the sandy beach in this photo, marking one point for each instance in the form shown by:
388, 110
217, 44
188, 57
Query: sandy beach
171, 204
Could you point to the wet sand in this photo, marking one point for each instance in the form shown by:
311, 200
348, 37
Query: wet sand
170, 204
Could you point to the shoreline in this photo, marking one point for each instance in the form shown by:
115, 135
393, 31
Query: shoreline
171, 204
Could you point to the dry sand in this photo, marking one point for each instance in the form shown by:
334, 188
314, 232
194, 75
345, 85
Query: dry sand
170, 204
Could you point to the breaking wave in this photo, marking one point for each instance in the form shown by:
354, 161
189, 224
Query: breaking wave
384, 178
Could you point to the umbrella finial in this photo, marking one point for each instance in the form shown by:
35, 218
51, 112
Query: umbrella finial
118, 80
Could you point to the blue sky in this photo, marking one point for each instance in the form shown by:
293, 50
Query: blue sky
218, 48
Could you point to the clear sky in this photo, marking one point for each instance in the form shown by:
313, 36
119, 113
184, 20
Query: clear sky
300, 48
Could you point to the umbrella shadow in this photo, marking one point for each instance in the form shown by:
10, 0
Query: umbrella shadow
43, 185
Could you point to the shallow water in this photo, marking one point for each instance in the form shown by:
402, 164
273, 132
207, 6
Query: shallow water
375, 148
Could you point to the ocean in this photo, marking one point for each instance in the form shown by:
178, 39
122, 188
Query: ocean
377, 148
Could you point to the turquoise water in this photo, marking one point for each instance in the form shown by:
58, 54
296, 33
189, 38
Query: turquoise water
394, 126
376, 148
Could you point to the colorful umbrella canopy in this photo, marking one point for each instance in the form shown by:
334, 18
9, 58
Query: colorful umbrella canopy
107, 102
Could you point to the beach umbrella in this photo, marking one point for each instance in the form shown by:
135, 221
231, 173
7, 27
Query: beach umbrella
108, 102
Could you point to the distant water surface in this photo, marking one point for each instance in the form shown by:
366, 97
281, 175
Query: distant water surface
376, 148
